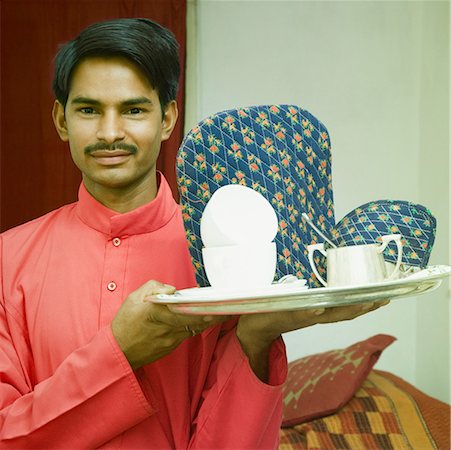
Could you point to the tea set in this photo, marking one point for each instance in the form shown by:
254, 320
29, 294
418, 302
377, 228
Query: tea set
238, 229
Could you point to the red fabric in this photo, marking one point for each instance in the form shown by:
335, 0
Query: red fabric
435, 414
385, 414
320, 384
36, 170
64, 383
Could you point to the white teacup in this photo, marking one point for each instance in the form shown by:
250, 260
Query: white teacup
240, 266
357, 264
235, 215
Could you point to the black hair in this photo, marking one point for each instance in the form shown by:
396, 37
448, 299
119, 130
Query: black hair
147, 44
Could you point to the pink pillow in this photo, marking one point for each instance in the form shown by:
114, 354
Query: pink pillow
320, 384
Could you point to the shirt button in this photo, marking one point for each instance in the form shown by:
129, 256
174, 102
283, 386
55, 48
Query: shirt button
111, 286
116, 242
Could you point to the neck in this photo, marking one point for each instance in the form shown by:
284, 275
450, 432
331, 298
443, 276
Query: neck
123, 199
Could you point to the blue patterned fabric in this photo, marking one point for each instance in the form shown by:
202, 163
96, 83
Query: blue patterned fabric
368, 223
281, 151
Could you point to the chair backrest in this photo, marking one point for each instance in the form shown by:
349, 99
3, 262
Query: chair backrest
281, 151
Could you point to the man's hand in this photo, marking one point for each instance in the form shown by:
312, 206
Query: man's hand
257, 332
147, 331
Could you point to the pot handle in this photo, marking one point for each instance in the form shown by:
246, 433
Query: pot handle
385, 240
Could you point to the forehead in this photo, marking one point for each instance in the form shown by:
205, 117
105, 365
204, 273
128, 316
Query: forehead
99, 74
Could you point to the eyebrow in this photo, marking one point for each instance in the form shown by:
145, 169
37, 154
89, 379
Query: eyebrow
128, 102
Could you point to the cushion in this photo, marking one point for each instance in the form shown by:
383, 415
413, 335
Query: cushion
320, 384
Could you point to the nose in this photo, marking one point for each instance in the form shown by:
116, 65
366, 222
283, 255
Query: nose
110, 128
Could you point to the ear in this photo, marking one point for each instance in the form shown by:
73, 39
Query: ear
59, 119
169, 119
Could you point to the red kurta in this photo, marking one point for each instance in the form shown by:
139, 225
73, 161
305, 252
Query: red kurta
65, 383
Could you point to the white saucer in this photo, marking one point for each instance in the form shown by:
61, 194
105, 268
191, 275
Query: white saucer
214, 294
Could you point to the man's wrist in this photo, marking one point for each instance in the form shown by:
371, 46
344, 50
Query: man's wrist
257, 351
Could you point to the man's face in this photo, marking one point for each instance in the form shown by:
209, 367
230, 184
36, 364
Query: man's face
114, 125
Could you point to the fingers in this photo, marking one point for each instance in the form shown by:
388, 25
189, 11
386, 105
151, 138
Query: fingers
154, 287
372, 306
194, 325
163, 314
349, 312
195, 330
147, 331
149, 289
190, 325
382, 302
158, 314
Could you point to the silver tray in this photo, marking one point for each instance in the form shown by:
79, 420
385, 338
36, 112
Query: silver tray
202, 301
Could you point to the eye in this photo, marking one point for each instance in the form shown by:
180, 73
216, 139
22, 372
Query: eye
134, 111
87, 110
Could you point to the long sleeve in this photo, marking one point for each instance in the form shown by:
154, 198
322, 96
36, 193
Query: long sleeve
92, 397
245, 412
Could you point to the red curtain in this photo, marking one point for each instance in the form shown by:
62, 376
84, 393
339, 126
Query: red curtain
36, 170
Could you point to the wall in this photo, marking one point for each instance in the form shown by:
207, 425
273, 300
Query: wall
433, 323
377, 75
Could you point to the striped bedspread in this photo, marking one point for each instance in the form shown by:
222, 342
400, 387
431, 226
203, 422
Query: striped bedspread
386, 413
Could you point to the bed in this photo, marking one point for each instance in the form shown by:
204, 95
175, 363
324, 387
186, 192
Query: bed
351, 405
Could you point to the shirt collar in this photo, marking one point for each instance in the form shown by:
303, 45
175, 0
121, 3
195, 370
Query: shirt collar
146, 218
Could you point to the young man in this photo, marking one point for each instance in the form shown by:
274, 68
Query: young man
87, 360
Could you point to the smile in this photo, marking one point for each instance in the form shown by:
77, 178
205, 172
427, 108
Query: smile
110, 158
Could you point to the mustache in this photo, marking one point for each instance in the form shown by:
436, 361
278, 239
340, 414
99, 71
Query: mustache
110, 147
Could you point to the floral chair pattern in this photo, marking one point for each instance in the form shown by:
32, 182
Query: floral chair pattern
281, 151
